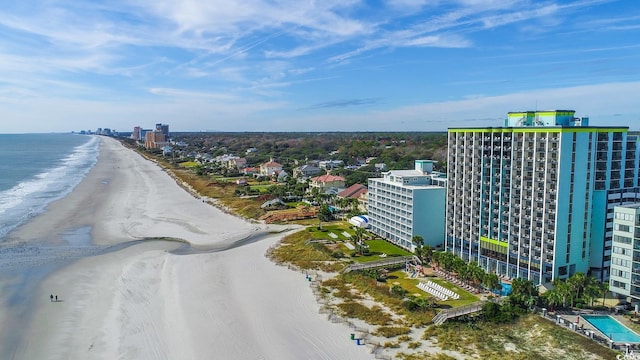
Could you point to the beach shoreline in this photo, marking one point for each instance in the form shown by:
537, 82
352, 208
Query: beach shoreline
147, 300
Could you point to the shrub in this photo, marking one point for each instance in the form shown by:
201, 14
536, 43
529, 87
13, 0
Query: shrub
374, 315
392, 331
398, 291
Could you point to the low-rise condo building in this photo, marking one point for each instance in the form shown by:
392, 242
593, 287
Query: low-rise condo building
406, 203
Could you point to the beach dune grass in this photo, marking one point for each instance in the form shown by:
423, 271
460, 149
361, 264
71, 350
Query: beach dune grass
528, 337
374, 315
393, 331
294, 249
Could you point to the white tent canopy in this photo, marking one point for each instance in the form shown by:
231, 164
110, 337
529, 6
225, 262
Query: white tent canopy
360, 221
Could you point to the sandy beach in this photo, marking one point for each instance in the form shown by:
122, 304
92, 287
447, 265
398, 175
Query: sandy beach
142, 300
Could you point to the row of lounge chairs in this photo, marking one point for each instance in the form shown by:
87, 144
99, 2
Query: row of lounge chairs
440, 292
437, 294
452, 279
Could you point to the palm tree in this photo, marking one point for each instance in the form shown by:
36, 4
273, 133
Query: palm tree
592, 291
477, 273
358, 239
427, 253
564, 290
324, 214
491, 281
446, 258
436, 257
523, 292
418, 241
458, 264
577, 282
553, 298
604, 289
530, 301
464, 273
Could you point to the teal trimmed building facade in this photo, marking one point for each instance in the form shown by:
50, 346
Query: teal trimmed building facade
534, 199
406, 203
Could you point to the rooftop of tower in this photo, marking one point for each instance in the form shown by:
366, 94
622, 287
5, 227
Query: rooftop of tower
545, 118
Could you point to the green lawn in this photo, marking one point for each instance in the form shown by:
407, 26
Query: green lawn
326, 230
261, 188
466, 297
384, 247
399, 277
188, 164
378, 247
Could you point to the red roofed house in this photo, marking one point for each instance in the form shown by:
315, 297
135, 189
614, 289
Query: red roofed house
327, 183
270, 168
358, 192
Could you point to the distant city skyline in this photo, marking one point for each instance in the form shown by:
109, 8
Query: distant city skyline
314, 66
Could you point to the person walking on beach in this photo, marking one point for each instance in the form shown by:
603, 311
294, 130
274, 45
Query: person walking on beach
56, 298
51, 297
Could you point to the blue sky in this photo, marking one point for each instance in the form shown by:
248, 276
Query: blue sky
327, 65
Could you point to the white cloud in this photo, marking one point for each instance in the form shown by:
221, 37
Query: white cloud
477, 111
443, 41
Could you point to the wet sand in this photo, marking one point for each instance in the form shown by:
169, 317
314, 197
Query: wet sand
122, 296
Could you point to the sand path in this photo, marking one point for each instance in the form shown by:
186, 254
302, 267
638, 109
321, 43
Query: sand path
144, 302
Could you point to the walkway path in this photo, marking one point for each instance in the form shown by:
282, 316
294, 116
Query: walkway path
379, 263
445, 314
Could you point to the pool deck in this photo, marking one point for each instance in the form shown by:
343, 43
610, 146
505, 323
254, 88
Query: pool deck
585, 325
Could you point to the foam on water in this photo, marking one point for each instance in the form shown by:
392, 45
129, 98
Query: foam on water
31, 196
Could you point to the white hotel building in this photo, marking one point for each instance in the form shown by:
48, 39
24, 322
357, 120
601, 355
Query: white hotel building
406, 203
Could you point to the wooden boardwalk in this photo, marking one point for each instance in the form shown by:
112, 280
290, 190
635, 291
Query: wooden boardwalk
445, 314
382, 263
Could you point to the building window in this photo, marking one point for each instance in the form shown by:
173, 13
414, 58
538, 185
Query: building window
621, 227
622, 239
620, 250
620, 273
618, 284
562, 270
623, 216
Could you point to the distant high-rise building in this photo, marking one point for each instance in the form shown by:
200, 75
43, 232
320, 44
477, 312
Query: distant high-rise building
163, 128
535, 199
135, 135
154, 140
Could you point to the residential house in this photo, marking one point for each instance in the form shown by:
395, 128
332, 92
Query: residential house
358, 192
330, 184
306, 171
251, 171
270, 168
236, 163
330, 164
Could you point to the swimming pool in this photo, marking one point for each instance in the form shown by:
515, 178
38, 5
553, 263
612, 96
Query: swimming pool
612, 328
504, 291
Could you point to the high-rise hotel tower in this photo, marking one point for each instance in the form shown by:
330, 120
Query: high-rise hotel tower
534, 199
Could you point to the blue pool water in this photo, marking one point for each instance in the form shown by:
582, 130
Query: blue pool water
506, 290
612, 328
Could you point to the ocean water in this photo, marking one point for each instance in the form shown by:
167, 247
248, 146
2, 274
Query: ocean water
36, 169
